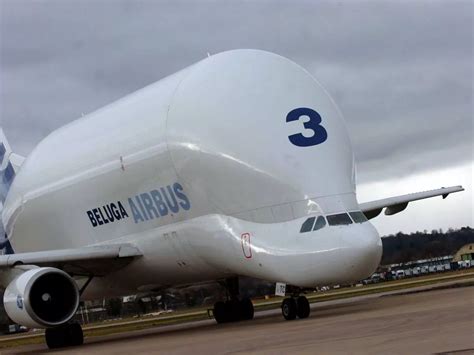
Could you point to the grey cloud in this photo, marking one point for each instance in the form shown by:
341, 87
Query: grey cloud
400, 72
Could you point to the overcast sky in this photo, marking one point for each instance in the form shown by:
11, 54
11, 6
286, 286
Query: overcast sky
400, 71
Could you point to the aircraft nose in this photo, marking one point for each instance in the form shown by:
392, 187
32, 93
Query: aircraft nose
368, 252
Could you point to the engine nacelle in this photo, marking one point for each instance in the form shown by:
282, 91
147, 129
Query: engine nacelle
42, 298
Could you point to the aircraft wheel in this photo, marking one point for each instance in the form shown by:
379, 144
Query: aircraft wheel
66, 335
302, 307
55, 338
74, 334
246, 309
233, 310
288, 308
221, 312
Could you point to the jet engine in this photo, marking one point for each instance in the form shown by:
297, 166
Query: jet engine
41, 298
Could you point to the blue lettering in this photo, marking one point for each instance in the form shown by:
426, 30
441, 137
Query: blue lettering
172, 206
155, 194
319, 132
142, 209
149, 207
137, 217
145, 206
178, 190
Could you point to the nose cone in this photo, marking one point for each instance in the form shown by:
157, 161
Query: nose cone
367, 252
335, 255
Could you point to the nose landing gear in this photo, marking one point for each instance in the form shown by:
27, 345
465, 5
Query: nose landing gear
293, 307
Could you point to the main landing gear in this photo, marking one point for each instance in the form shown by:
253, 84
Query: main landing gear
234, 309
69, 334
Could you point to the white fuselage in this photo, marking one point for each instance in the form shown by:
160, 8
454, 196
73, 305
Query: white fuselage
199, 172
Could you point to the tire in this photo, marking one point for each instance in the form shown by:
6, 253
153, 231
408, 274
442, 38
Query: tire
288, 308
302, 307
220, 312
246, 309
55, 338
233, 310
65, 335
75, 334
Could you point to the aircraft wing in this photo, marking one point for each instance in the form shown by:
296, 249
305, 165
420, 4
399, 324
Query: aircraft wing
96, 260
397, 204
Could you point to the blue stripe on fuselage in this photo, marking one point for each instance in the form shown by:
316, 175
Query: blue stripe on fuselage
6, 247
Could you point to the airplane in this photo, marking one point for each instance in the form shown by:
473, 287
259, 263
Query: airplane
239, 165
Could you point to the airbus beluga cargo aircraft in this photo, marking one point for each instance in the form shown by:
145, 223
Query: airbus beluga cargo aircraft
239, 165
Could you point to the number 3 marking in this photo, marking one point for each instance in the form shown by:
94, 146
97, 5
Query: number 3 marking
320, 134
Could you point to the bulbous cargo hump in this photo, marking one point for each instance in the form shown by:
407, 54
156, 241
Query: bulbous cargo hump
250, 130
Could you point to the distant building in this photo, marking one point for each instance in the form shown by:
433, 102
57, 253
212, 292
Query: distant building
465, 253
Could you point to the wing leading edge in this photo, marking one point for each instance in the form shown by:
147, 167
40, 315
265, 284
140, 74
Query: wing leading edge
397, 204
94, 260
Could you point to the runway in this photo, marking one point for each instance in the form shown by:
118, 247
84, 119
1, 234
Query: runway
438, 321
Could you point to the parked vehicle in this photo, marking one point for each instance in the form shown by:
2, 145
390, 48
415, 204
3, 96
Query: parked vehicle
16, 328
389, 275
375, 278
400, 274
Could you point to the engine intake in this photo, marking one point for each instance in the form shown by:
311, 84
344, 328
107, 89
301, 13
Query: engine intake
41, 298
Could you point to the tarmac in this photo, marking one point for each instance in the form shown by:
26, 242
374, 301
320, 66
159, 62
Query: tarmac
418, 321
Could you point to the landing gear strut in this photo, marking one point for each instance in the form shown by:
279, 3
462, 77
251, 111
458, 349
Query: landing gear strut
295, 306
69, 334
234, 309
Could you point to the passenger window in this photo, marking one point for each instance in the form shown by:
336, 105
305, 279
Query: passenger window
358, 217
307, 225
339, 219
320, 223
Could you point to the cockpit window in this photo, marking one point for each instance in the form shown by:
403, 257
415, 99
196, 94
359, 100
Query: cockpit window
358, 217
339, 219
307, 225
320, 223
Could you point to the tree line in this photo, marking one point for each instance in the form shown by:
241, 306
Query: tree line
401, 247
